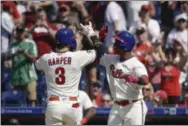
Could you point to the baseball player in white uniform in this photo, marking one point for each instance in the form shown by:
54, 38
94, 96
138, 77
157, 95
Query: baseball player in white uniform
85, 106
63, 70
126, 76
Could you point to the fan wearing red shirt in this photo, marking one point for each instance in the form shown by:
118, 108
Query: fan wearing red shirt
143, 47
170, 75
15, 13
42, 35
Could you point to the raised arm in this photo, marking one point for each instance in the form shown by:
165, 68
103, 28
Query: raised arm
88, 31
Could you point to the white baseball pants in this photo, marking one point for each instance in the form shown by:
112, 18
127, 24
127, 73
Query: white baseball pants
131, 114
62, 113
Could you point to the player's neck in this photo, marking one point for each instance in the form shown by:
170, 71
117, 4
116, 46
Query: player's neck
63, 50
126, 56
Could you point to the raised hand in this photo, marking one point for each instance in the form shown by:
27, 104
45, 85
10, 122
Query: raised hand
87, 30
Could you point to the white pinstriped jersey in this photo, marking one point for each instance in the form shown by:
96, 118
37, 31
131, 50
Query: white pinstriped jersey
63, 71
120, 89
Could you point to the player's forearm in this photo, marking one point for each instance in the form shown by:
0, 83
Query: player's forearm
142, 80
99, 46
90, 113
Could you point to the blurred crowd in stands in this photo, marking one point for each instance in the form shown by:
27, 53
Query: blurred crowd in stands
160, 27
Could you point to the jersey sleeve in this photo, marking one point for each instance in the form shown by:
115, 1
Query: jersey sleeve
140, 71
40, 63
87, 102
105, 60
86, 57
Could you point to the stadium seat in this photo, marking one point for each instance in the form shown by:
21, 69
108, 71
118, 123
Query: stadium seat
83, 84
5, 78
41, 89
14, 97
101, 74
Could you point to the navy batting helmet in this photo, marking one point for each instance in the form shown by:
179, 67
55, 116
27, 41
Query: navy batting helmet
124, 41
66, 36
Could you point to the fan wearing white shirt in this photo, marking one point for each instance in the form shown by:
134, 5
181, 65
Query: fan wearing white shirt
179, 33
115, 20
151, 25
134, 8
85, 105
7, 26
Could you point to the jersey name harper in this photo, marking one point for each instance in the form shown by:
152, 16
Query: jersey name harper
63, 71
59, 60
116, 74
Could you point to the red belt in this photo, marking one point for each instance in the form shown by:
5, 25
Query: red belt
125, 102
57, 98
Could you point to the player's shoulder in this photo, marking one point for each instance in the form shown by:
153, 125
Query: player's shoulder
85, 51
113, 4
173, 31
47, 55
137, 63
153, 22
82, 93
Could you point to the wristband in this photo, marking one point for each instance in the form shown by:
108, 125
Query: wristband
95, 40
84, 121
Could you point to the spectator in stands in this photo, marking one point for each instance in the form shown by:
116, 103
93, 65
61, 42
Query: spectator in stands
91, 71
167, 8
180, 32
134, 8
181, 7
143, 46
170, 77
79, 5
107, 100
44, 33
7, 25
23, 55
95, 93
115, 20
181, 55
184, 6
17, 18
67, 17
154, 61
184, 103
22, 7
160, 98
152, 26
148, 95
97, 11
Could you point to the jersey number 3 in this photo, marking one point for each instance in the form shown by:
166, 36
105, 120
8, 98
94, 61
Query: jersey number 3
60, 79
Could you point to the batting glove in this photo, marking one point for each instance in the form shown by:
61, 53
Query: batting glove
103, 32
87, 30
